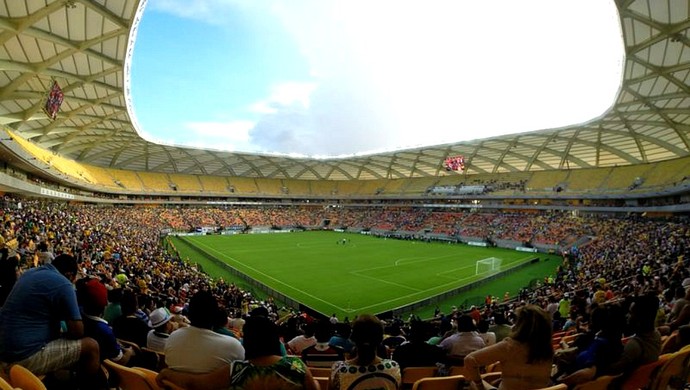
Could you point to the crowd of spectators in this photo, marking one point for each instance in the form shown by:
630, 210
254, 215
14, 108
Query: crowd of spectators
146, 294
555, 228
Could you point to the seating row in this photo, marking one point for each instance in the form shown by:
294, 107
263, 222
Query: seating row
20, 378
672, 370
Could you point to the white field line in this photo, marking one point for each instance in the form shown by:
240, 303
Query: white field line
272, 278
417, 259
454, 281
413, 294
384, 281
417, 292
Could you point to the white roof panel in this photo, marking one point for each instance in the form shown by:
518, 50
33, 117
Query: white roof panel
84, 46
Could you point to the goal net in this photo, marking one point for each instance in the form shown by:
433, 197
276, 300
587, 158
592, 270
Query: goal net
487, 266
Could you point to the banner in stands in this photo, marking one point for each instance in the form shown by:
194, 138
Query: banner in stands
56, 194
525, 249
454, 163
476, 243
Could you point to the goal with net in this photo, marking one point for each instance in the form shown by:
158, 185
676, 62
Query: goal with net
488, 266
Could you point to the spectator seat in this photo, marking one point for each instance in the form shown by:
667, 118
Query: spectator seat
4, 385
130, 378
440, 383
673, 374
22, 378
320, 371
168, 385
601, 383
644, 374
410, 375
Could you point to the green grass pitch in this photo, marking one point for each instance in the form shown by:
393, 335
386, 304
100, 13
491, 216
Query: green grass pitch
365, 275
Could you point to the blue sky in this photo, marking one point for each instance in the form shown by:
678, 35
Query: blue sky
341, 77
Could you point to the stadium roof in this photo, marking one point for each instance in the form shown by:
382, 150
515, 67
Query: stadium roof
86, 46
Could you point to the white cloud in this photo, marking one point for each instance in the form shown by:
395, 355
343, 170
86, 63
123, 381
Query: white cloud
233, 135
235, 130
292, 92
438, 71
285, 94
399, 74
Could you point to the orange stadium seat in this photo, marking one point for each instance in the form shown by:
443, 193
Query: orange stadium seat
130, 378
4, 385
24, 379
410, 375
601, 383
645, 374
440, 383
674, 372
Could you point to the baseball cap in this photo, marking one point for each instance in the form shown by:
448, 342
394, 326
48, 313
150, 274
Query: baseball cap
121, 278
94, 294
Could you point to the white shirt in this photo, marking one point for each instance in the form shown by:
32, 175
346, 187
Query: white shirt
156, 340
462, 343
198, 350
488, 337
299, 343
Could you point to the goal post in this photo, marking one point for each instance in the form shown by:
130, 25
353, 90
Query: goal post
487, 266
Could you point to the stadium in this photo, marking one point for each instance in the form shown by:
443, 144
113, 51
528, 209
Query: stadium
410, 231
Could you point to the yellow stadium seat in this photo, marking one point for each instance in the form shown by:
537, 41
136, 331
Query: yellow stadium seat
322, 381
24, 379
644, 374
410, 375
170, 385
601, 383
440, 383
130, 378
4, 385
673, 373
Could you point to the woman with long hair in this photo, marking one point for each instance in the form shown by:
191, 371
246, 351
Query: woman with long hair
525, 355
367, 370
